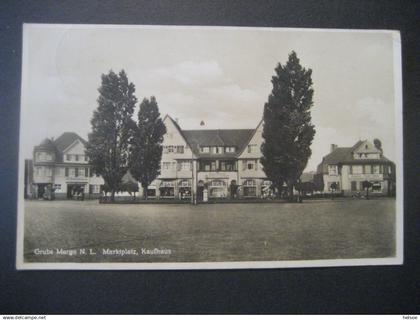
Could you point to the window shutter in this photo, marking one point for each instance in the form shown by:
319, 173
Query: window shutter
76, 172
256, 165
351, 169
66, 172
243, 165
86, 172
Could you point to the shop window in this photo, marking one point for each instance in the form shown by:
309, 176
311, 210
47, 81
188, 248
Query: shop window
376, 187
250, 189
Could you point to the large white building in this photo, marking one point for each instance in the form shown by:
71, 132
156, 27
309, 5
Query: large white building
226, 163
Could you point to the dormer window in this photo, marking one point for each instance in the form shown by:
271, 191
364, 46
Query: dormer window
229, 149
205, 149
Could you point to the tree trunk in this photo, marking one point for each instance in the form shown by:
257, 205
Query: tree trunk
144, 192
113, 196
290, 191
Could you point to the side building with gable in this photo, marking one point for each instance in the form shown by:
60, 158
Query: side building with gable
60, 169
349, 167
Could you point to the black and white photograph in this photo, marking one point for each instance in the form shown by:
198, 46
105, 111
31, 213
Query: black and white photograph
194, 147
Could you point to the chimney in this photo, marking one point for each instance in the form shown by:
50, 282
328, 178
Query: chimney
333, 147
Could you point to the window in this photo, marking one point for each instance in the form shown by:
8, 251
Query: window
376, 186
184, 165
68, 157
252, 148
57, 187
205, 149
228, 165
66, 172
332, 170
213, 166
250, 166
76, 172
375, 168
39, 171
354, 186
48, 172
180, 149
357, 169
76, 157
368, 169
166, 165
229, 149
216, 150
72, 172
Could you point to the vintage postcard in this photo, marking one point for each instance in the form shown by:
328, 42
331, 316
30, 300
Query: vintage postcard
186, 147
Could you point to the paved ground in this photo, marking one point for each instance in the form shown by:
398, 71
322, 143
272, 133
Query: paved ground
321, 229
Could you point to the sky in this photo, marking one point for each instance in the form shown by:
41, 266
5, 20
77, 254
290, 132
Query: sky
221, 76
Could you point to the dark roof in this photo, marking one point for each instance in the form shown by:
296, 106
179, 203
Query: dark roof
46, 144
66, 139
345, 156
237, 138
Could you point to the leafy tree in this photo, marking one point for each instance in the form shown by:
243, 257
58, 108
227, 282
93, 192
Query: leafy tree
146, 145
112, 128
288, 132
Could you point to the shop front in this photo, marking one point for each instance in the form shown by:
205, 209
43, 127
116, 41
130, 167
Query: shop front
217, 189
250, 188
184, 189
167, 189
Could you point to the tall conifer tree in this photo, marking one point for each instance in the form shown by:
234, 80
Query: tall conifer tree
288, 132
112, 128
146, 145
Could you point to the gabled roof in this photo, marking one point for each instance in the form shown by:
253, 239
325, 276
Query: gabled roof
342, 155
176, 126
67, 139
222, 138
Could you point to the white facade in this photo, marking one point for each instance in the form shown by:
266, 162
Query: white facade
63, 174
348, 168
